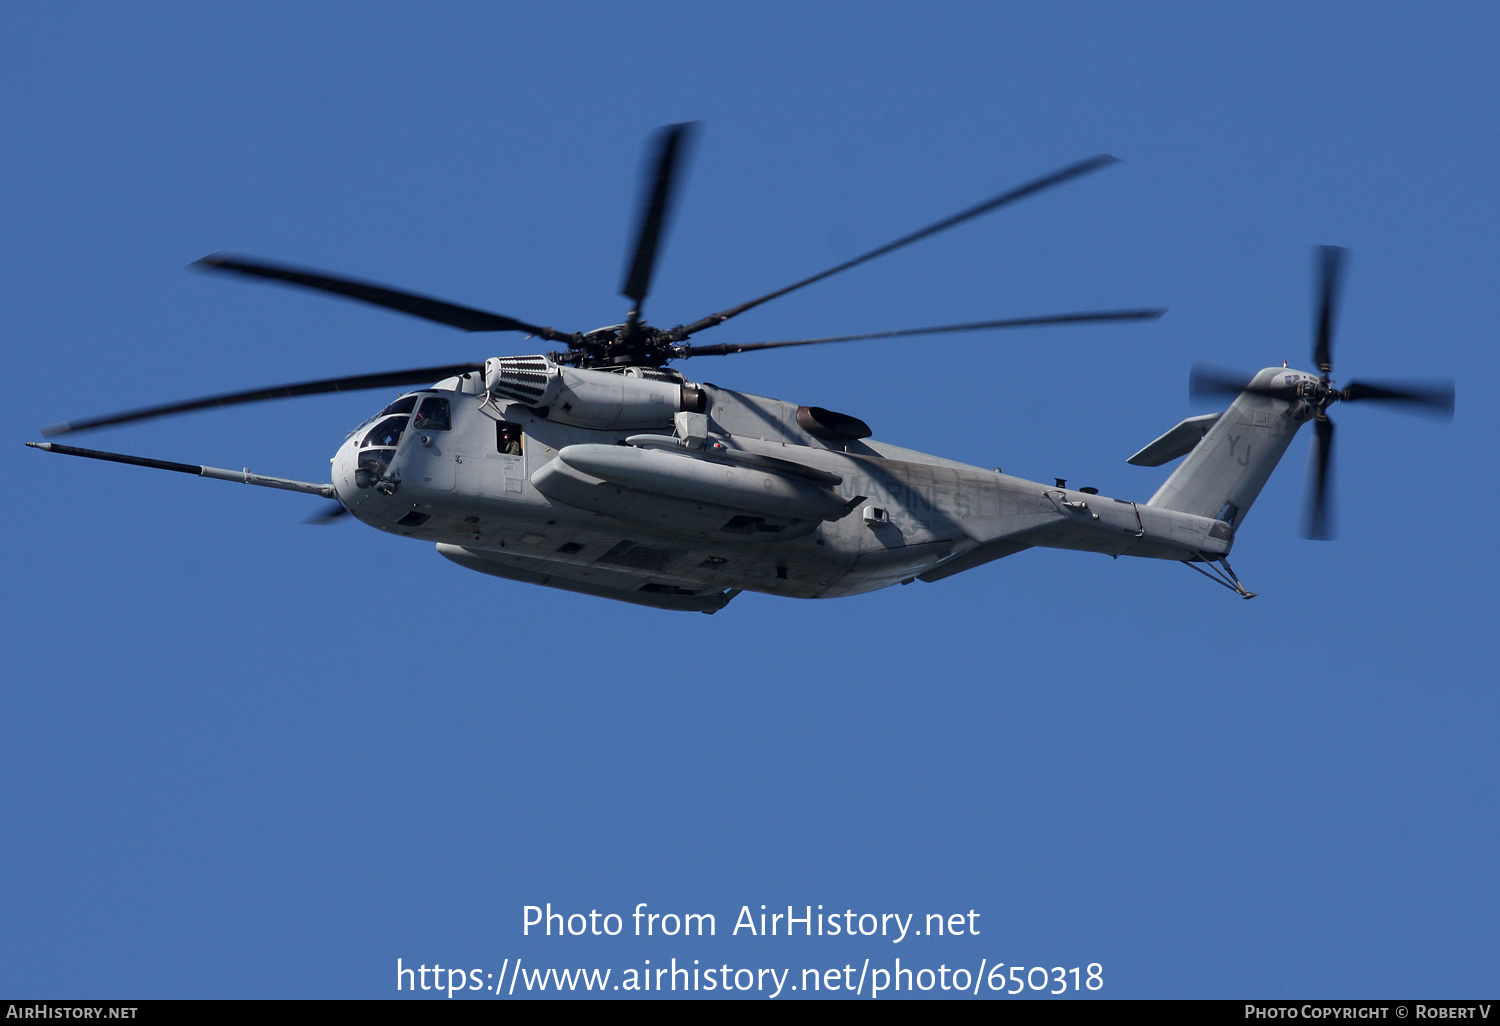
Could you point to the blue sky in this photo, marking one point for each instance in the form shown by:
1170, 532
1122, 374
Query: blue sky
245, 757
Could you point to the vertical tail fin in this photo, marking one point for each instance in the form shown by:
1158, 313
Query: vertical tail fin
1224, 472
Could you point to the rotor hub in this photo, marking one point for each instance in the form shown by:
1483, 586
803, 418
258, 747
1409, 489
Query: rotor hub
620, 345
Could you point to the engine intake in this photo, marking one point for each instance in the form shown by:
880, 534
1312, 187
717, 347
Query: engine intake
634, 397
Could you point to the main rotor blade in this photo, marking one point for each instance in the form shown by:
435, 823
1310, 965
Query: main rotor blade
1318, 524
1331, 261
1436, 396
671, 145
333, 511
464, 317
418, 376
727, 348
1037, 185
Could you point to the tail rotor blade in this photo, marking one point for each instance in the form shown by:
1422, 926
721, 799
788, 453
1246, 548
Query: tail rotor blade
1434, 396
1331, 260
1319, 523
1210, 382
1207, 382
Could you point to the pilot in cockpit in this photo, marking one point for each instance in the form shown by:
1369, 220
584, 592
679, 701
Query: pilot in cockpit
508, 439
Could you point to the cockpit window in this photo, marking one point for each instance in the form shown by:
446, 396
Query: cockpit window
385, 433
402, 405
433, 416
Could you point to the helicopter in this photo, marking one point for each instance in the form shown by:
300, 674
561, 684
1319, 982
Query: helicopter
597, 468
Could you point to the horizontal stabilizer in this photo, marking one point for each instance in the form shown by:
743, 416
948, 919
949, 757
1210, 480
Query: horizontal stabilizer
1177, 442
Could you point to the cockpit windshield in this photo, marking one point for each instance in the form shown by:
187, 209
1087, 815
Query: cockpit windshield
403, 405
386, 433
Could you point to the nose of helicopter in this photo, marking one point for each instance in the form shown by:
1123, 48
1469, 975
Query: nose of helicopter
342, 470
345, 470
360, 481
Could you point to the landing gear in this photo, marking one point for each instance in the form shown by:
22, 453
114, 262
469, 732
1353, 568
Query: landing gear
1220, 572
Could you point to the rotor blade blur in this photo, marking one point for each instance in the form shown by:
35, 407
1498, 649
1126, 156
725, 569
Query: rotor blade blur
671, 146
333, 511
1036, 185
1331, 261
726, 349
1207, 382
466, 318
1434, 396
1319, 524
391, 379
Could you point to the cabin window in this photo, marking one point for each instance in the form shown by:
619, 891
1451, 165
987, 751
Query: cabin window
433, 416
507, 438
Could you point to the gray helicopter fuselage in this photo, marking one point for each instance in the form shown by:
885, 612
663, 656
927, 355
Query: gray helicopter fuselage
739, 497
598, 469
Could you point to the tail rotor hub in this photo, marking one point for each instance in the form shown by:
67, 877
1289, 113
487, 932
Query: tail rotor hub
1317, 396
